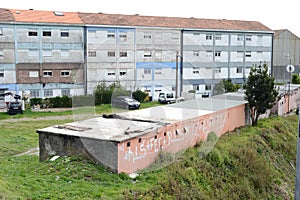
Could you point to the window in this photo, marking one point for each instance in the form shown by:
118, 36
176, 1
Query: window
1, 31
218, 53
196, 87
147, 71
34, 93
1, 54
123, 73
47, 53
33, 74
65, 92
240, 54
32, 33
33, 53
207, 87
218, 70
147, 36
248, 37
208, 37
240, 38
92, 53
259, 38
65, 73
48, 93
196, 33
111, 54
218, 37
158, 71
47, 73
1, 73
64, 53
46, 33
123, 54
147, 54
239, 70
111, 34
195, 70
248, 54
111, 73
64, 33
196, 53
123, 35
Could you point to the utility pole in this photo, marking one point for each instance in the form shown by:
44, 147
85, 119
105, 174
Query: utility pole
176, 86
297, 186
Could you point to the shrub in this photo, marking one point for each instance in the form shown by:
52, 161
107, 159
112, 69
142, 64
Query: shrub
35, 101
139, 95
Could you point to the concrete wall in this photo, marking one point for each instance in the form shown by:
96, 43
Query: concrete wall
97, 151
139, 153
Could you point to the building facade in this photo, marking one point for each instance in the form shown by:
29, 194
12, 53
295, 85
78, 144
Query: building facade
55, 53
286, 52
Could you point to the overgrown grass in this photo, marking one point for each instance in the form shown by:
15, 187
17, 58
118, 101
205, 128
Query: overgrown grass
249, 163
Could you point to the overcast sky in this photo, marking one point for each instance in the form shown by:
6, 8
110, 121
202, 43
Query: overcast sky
273, 14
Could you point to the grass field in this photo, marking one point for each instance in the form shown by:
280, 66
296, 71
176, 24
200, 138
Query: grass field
249, 163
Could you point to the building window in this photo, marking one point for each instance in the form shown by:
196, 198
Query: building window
111, 34
207, 87
64, 53
65, 92
195, 70
239, 70
218, 37
47, 33
123, 54
47, 73
248, 37
158, 71
147, 36
240, 38
259, 38
32, 33
1, 31
248, 54
65, 73
217, 53
64, 34
123, 36
196, 53
147, 71
92, 53
196, 87
34, 93
111, 73
147, 54
111, 54
47, 53
48, 93
208, 36
33, 74
218, 70
196, 34
1, 73
33, 53
1, 54
123, 73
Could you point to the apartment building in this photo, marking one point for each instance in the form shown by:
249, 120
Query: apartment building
64, 53
286, 52
42, 53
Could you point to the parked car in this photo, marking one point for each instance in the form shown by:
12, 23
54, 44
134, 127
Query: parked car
125, 102
166, 98
14, 108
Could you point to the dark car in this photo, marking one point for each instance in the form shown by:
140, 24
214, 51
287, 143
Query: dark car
125, 102
14, 108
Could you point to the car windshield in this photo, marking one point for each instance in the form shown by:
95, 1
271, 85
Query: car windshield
14, 104
129, 100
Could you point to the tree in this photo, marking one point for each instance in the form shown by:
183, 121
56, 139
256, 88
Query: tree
261, 92
295, 79
225, 86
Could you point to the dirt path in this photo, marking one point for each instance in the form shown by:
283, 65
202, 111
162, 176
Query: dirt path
63, 117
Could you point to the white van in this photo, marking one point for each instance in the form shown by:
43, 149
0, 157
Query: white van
167, 97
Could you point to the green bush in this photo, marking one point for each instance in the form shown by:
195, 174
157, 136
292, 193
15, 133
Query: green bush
35, 101
139, 96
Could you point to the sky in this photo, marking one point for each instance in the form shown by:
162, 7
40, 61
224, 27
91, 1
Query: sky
273, 14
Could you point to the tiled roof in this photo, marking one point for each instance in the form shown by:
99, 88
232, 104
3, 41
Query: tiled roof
171, 22
37, 16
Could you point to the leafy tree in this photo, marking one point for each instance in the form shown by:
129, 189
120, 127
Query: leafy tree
260, 92
295, 79
225, 86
